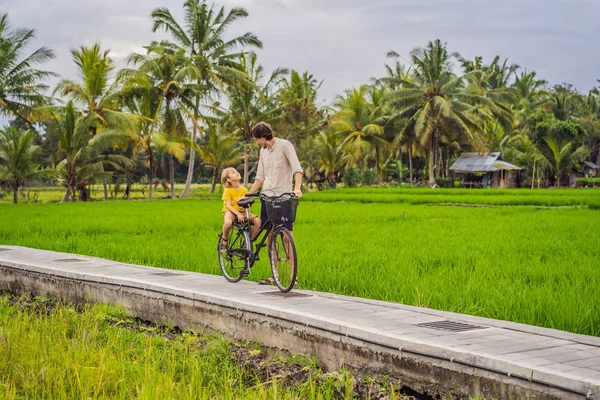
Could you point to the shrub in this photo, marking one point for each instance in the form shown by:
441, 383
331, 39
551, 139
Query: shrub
369, 178
351, 177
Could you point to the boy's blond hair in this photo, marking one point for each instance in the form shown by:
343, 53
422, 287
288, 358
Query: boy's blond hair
225, 175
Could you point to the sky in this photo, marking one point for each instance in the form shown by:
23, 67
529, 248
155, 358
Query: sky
343, 42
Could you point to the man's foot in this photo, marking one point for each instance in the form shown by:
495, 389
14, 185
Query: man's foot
267, 281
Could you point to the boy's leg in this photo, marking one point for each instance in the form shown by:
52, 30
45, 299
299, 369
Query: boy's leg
226, 227
256, 224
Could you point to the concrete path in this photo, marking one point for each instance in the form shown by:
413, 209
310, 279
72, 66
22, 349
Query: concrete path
562, 361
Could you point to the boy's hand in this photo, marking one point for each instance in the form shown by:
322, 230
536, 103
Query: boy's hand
240, 216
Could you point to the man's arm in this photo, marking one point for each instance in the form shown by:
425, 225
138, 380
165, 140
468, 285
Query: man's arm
257, 184
292, 157
298, 184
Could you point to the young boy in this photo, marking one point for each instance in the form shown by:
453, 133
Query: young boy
233, 192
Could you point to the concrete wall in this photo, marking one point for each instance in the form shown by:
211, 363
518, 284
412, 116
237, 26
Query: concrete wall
423, 374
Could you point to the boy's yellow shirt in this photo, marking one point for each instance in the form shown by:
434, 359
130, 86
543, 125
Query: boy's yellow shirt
233, 195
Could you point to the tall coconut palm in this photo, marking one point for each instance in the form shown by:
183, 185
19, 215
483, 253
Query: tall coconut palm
435, 101
359, 122
330, 160
80, 151
145, 100
564, 101
218, 151
96, 91
301, 117
166, 66
213, 57
17, 158
493, 82
528, 86
21, 86
559, 156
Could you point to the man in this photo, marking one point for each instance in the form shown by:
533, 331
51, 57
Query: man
277, 166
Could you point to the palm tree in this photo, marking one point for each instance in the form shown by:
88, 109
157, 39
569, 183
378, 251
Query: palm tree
435, 101
95, 92
528, 86
81, 152
218, 151
166, 67
251, 101
560, 156
17, 158
21, 85
213, 58
330, 160
145, 100
492, 82
394, 75
297, 98
359, 122
564, 101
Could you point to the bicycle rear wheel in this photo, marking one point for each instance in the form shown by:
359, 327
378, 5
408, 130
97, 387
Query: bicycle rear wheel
284, 259
238, 258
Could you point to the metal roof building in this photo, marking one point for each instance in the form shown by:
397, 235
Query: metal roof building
487, 170
482, 162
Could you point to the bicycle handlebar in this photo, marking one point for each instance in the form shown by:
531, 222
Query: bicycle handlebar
261, 195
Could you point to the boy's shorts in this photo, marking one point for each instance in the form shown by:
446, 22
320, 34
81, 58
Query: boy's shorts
265, 219
231, 216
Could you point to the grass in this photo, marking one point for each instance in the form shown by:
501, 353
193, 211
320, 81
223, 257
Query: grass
57, 351
584, 197
54, 194
490, 197
523, 264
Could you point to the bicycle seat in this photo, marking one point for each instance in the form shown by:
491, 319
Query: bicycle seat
246, 203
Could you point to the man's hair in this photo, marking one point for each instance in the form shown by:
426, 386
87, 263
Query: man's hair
225, 175
262, 130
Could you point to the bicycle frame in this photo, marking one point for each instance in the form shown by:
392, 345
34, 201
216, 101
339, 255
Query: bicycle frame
247, 227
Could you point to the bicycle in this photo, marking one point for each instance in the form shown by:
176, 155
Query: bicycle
238, 260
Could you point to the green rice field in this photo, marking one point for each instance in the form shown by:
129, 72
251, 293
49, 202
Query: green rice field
532, 264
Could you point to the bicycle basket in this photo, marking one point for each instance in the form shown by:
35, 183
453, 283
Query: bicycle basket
281, 210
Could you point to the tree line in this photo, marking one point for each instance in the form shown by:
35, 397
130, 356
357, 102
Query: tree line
183, 109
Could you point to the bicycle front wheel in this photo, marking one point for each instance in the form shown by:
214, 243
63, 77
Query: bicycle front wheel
237, 259
284, 259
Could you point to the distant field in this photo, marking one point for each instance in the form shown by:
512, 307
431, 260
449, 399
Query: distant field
525, 264
586, 197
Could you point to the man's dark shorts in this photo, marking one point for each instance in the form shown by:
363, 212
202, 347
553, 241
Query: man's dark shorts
265, 220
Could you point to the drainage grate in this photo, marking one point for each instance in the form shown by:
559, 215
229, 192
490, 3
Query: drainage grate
167, 274
285, 295
450, 326
70, 260
1, 249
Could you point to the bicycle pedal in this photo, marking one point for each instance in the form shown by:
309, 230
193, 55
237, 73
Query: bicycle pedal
245, 272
